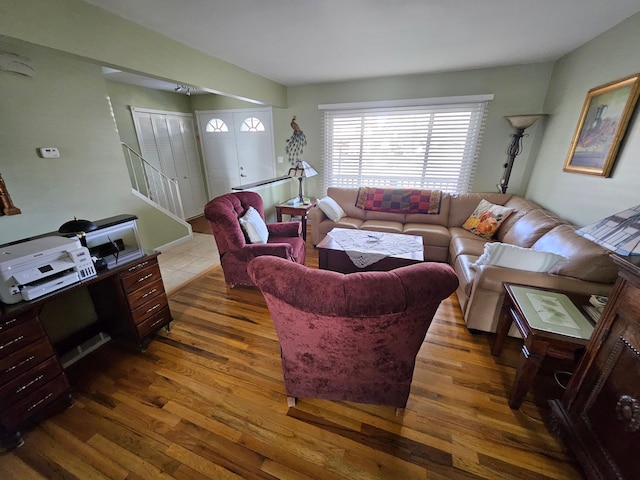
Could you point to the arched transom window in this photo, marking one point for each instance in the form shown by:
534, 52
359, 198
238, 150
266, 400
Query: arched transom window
251, 124
217, 125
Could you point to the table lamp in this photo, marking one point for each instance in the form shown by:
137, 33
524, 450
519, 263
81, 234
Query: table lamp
302, 170
619, 233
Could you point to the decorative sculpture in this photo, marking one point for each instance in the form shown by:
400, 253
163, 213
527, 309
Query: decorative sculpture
295, 143
8, 208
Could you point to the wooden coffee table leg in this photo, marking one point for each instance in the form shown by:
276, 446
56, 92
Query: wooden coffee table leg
528, 366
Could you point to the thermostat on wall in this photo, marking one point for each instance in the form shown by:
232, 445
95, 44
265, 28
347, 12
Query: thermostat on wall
49, 152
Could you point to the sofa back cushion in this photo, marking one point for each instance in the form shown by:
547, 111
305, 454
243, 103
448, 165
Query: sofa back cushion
530, 227
463, 204
520, 208
441, 218
346, 198
585, 260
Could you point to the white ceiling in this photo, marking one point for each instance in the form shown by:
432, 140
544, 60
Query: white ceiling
297, 42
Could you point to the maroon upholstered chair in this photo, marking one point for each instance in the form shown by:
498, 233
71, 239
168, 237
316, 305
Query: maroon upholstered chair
223, 213
351, 337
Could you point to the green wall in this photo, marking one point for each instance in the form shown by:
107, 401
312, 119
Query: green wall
65, 105
94, 34
580, 198
517, 89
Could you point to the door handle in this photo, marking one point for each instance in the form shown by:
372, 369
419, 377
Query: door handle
242, 175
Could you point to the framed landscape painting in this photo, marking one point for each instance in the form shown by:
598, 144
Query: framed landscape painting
603, 122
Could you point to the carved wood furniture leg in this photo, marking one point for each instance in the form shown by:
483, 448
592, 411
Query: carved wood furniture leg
504, 323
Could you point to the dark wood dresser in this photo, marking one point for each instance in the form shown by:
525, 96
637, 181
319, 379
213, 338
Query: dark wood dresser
131, 305
599, 414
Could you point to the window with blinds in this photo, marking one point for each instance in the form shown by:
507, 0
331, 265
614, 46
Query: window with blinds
428, 143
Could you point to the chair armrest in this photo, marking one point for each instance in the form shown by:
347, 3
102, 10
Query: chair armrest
285, 229
250, 251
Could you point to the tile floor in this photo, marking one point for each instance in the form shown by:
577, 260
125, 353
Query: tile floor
186, 261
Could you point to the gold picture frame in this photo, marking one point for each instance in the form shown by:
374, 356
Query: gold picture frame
602, 125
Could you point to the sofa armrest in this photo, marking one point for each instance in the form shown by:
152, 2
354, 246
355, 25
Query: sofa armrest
285, 229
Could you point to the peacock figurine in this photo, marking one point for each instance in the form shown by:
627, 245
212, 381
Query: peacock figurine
295, 143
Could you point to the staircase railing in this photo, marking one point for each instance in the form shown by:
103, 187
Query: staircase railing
152, 183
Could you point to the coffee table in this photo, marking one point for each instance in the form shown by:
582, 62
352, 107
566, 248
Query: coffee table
331, 256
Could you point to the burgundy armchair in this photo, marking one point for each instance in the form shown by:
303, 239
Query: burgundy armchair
351, 337
223, 213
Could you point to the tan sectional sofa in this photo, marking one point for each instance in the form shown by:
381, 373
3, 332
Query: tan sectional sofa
587, 268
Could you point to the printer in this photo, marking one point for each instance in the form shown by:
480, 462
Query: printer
42, 265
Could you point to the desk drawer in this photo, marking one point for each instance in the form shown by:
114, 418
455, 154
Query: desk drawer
25, 359
35, 402
14, 321
149, 308
28, 382
141, 278
155, 322
20, 336
145, 294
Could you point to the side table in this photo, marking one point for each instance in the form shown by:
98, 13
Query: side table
300, 210
551, 324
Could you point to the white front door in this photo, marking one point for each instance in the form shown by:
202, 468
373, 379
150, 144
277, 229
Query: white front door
167, 141
237, 147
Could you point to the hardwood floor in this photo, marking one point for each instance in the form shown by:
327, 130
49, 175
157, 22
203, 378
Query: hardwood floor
207, 401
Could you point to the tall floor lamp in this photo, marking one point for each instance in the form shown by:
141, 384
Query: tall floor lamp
519, 123
302, 170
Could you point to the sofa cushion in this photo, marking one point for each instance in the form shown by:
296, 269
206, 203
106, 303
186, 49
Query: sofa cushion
585, 260
520, 208
486, 219
253, 225
386, 226
331, 208
432, 235
463, 204
512, 256
346, 198
528, 229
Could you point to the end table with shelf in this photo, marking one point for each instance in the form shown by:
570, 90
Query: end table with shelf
299, 210
551, 324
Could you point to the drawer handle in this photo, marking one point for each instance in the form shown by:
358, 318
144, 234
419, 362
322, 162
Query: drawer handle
149, 293
23, 362
17, 339
157, 305
136, 267
156, 322
27, 385
147, 276
8, 322
35, 405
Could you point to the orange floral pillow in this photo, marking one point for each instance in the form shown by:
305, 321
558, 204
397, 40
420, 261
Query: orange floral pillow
486, 219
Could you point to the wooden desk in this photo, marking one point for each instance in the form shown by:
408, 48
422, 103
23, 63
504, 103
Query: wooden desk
131, 305
541, 337
300, 210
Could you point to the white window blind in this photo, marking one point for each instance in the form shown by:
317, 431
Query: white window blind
431, 146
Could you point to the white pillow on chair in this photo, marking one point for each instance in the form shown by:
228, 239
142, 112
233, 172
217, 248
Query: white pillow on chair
254, 226
331, 209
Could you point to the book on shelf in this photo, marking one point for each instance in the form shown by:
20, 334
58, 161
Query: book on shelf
593, 312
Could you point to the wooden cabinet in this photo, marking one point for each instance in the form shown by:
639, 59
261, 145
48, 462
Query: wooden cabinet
599, 415
32, 381
147, 307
